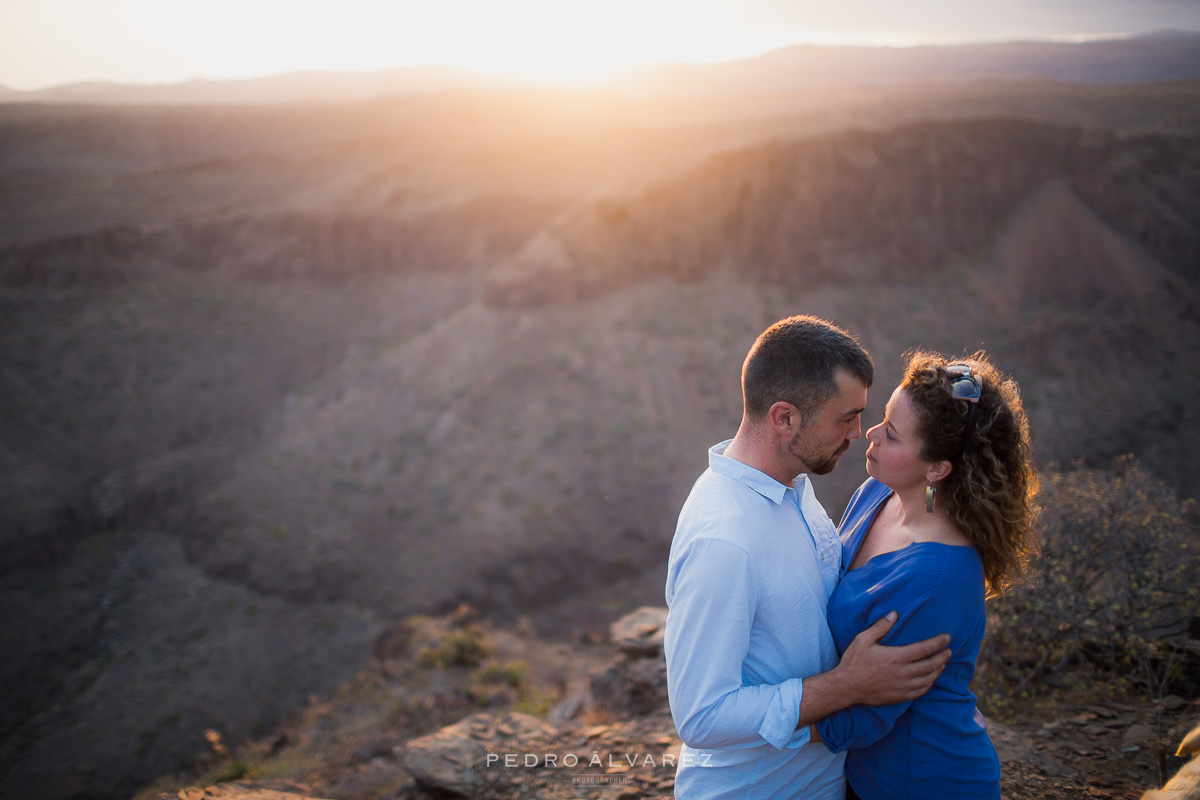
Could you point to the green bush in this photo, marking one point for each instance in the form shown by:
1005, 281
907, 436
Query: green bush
498, 682
235, 772
500, 673
465, 647
1115, 585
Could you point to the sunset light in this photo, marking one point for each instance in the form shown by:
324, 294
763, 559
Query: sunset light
52, 42
561, 42
573, 42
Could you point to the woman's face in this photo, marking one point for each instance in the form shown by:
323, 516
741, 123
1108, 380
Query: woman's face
893, 457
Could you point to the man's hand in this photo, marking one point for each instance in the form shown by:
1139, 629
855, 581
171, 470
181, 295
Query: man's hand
873, 674
878, 675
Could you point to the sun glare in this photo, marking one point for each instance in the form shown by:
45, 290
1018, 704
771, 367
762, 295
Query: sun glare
562, 41
50, 42
574, 42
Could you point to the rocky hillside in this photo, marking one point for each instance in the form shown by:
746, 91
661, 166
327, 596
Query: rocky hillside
272, 379
592, 722
587, 339
866, 206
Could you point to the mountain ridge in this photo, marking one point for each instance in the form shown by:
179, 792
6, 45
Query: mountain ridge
1156, 56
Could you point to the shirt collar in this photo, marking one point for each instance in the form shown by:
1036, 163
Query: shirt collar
756, 479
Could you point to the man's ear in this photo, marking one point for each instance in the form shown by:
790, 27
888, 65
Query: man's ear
785, 418
937, 471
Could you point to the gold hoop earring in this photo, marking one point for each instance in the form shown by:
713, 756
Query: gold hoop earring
930, 498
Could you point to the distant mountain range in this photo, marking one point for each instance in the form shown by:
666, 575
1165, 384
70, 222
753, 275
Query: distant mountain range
1160, 56
296, 87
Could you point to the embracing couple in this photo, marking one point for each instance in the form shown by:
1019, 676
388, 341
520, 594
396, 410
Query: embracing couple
802, 658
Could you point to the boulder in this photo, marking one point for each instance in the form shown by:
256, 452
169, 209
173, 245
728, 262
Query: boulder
481, 756
244, 790
630, 687
1136, 736
639, 634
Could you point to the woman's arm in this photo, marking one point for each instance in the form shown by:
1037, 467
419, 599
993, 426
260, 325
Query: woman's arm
861, 726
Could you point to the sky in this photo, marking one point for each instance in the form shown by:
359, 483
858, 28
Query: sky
47, 43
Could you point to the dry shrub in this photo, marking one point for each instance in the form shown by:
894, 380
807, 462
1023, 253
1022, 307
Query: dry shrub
454, 641
467, 647
498, 682
1114, 589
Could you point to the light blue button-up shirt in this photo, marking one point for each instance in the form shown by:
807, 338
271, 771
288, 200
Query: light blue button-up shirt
752, 565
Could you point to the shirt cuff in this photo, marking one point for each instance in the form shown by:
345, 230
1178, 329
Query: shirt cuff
779, 726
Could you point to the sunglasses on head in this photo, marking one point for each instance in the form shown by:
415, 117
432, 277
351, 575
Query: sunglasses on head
965, 386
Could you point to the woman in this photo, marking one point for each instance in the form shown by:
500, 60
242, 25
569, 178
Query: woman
944, 519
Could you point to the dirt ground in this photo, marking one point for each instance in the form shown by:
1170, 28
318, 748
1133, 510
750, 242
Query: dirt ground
1077, 747
1102, 740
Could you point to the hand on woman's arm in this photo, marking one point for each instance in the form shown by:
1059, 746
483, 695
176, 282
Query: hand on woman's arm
874, 674
863, 724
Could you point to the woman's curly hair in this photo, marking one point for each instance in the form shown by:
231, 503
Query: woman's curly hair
990, 493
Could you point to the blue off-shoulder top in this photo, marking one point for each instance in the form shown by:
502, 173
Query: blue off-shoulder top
936, 745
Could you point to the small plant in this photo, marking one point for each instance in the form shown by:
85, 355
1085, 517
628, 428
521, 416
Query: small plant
466, 647
537, 702
287, 765
234, 772
498, 682
501, 673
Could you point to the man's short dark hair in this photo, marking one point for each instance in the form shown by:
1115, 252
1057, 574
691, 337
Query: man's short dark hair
795, 360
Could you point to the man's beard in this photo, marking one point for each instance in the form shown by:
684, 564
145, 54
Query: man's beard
817, 464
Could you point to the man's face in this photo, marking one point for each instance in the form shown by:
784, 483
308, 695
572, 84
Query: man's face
819, 444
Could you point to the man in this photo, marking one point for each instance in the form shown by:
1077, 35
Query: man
750, 659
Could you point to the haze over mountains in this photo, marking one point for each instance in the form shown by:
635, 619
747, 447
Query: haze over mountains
1165, 55
275, 375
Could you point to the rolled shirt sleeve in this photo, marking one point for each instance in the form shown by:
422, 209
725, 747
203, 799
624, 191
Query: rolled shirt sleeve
716, 592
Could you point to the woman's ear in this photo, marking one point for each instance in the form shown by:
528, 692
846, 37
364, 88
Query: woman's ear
937, 471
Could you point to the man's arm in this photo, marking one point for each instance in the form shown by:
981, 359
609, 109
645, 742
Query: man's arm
873, 674
712, 593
